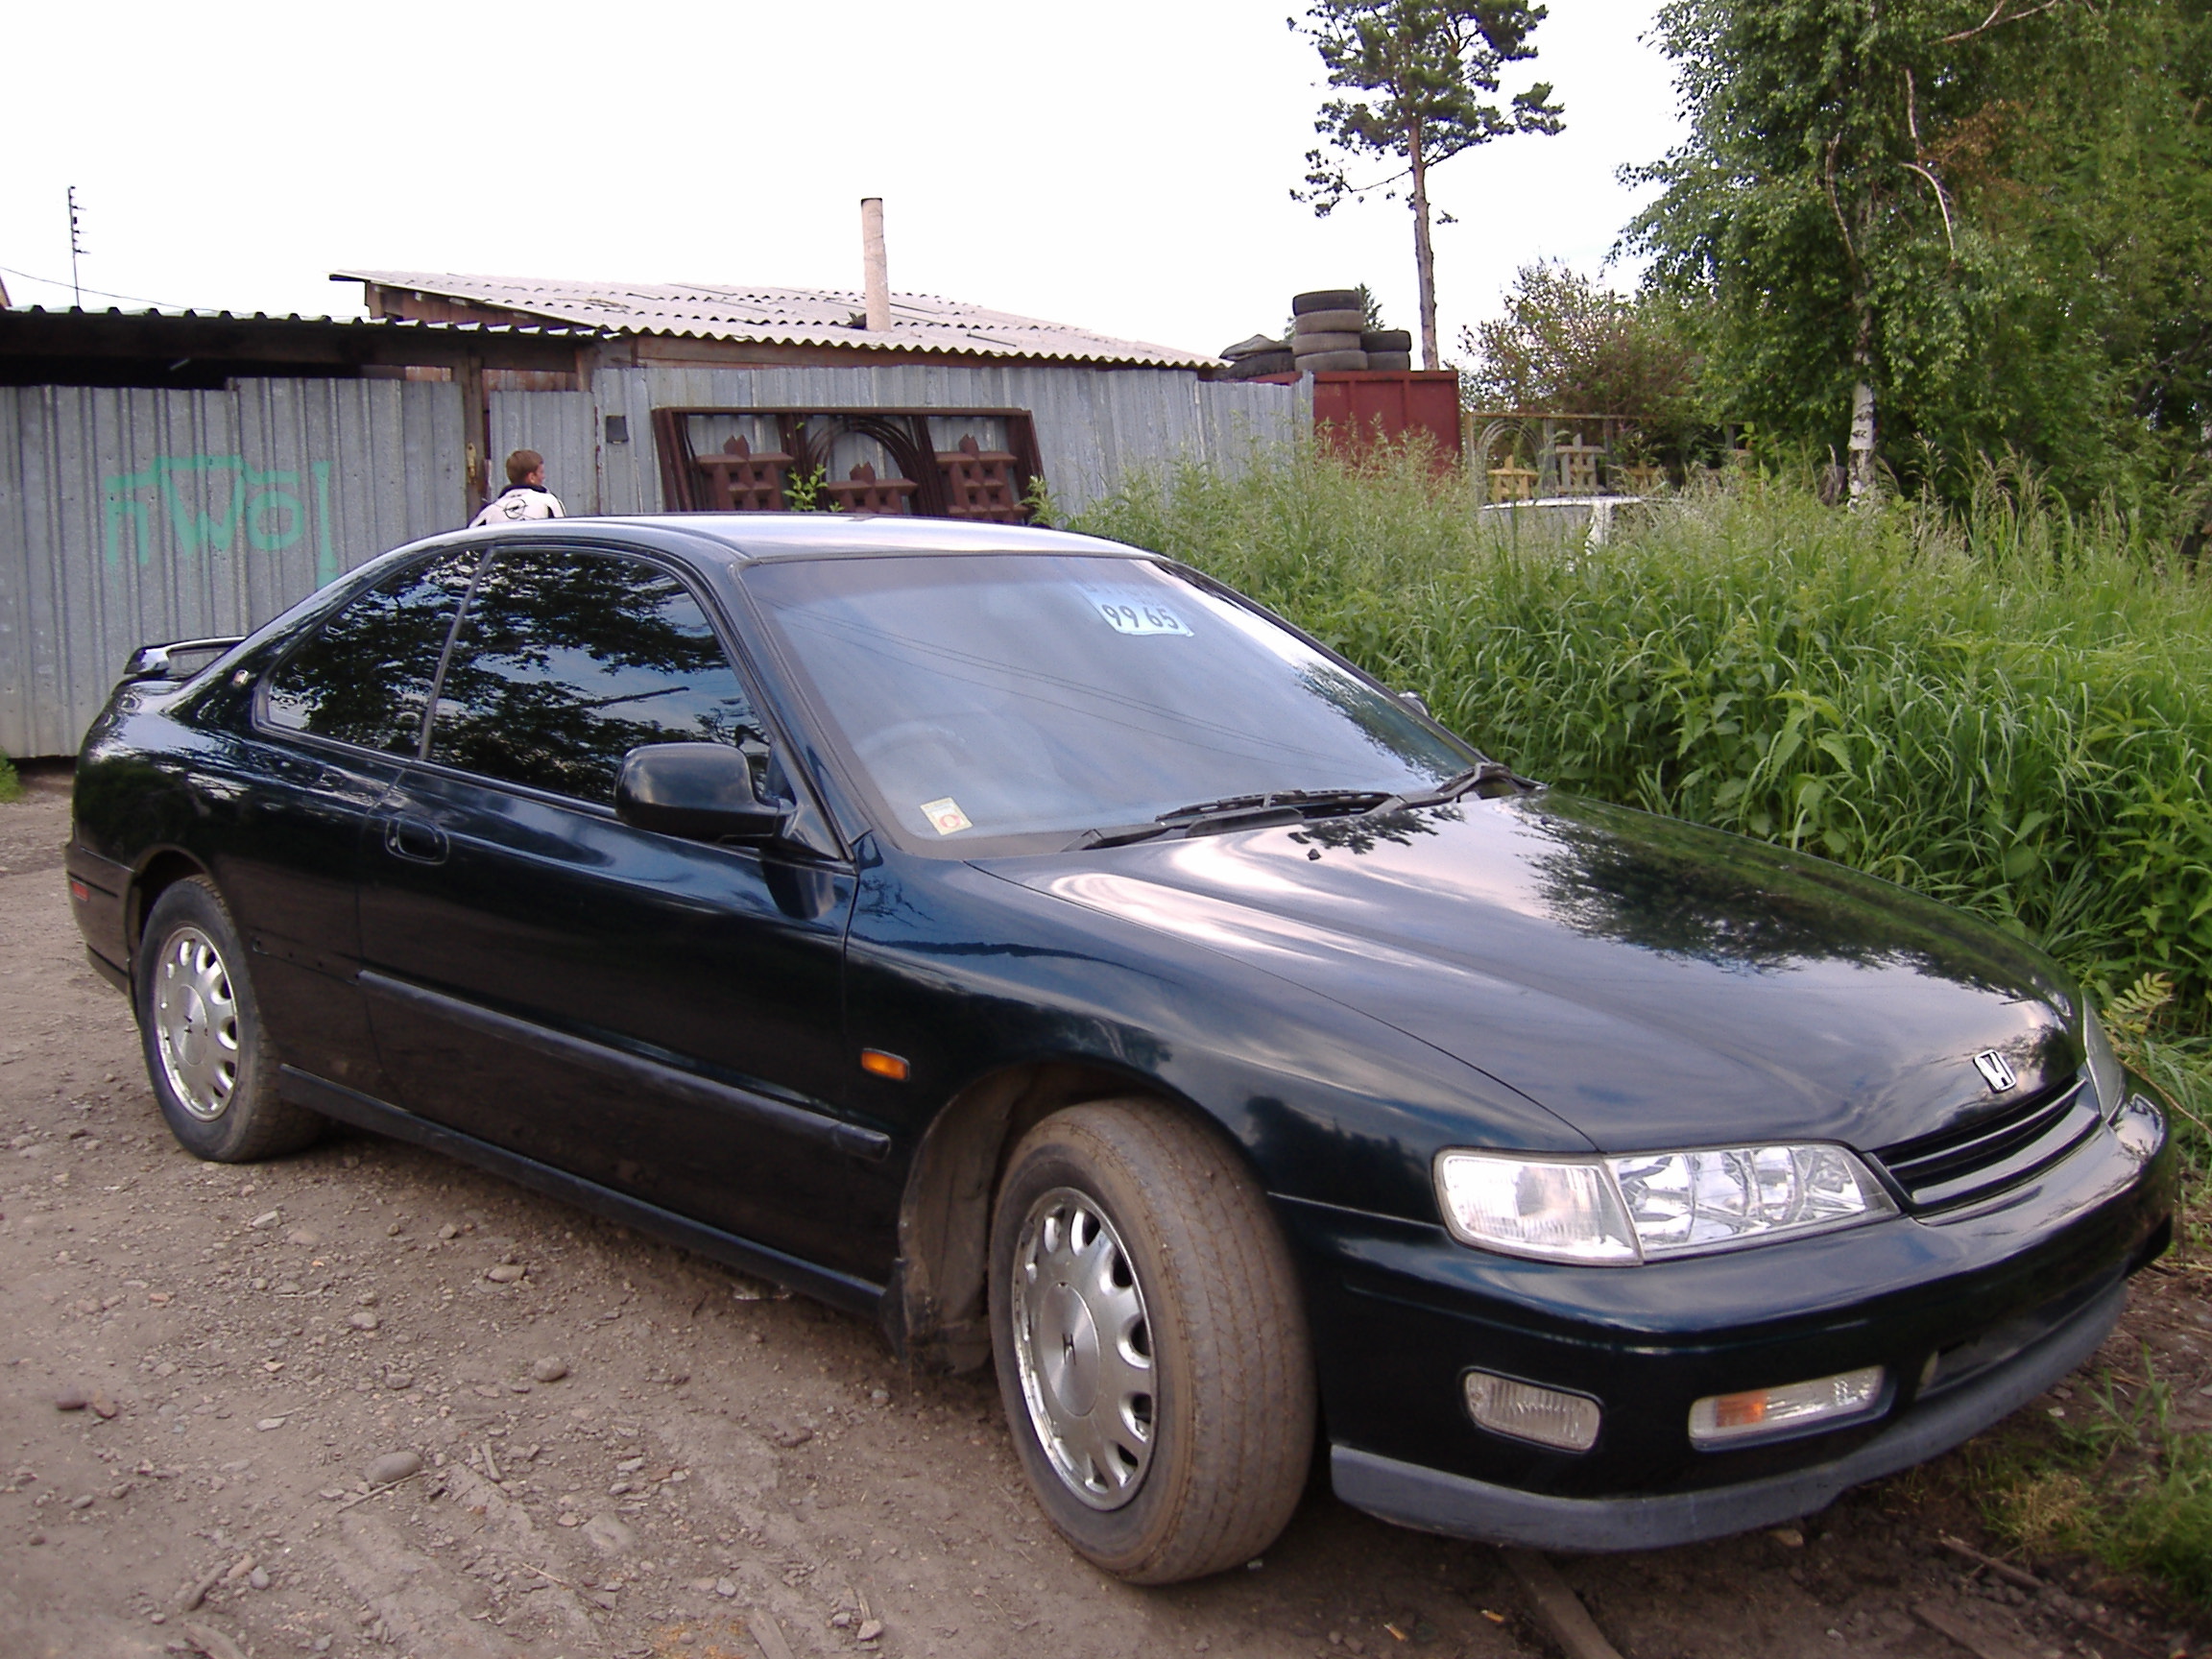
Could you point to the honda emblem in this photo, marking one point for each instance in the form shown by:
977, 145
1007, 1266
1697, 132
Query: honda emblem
1994, 1072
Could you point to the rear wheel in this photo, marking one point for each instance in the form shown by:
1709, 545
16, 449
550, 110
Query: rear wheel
213, 1072
1150, 1342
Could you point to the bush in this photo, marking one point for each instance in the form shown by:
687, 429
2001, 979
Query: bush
2008, 710
10, 786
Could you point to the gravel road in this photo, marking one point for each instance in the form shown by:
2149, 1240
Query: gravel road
619, 1449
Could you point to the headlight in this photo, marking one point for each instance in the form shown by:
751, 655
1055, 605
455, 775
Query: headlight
2105, 1073
1651, 1205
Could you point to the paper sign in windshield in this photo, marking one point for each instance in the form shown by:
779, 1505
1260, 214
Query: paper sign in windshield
1130, 612
945, 816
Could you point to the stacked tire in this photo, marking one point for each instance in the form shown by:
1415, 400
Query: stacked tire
1251, 359
1330, 326
1387, 349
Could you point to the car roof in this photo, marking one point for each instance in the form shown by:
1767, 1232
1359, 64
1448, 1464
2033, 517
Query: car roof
749, 538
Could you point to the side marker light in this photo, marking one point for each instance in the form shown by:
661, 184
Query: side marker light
883, 1065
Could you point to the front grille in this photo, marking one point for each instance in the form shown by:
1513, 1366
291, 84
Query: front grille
1991, 1153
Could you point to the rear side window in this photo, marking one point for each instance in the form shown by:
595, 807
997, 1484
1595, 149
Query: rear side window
365, 676
568, 661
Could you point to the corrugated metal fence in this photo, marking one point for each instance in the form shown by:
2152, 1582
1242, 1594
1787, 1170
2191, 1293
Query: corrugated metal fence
1091, 425
136, 515
128, 516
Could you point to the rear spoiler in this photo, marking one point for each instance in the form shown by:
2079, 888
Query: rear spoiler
160, 662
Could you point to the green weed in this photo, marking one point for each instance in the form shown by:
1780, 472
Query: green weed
10, 784
2121, 1484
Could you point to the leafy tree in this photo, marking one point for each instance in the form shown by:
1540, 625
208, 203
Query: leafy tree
1939, 229
1568, 346
1420, 78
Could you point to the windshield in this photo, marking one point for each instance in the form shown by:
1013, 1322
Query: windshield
988, 696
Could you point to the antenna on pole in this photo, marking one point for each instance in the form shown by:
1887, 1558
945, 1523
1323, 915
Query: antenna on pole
75, 250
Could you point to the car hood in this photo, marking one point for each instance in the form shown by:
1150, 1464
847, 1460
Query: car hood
1652, 983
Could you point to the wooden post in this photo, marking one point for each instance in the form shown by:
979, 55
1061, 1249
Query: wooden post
475, 432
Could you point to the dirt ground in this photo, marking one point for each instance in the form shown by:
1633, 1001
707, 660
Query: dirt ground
721, 1471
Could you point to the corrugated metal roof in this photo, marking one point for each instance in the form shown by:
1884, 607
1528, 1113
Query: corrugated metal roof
550, 330
787, 315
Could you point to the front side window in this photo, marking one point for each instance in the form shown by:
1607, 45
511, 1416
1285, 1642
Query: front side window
1024, 699
568, 661
365, 676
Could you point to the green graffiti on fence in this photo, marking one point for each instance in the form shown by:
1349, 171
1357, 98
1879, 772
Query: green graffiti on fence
208, 502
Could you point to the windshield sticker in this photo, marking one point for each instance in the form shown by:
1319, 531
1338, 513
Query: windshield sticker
1129, 611
945, 816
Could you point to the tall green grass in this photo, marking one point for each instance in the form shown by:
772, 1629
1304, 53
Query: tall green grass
2010, 710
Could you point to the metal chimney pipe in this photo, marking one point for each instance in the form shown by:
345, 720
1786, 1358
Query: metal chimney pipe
878, 271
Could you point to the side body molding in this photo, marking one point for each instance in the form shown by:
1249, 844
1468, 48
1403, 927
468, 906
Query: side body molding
870, 1144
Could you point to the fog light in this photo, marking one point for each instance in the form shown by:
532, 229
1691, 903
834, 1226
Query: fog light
1548, 1416
1722, 1418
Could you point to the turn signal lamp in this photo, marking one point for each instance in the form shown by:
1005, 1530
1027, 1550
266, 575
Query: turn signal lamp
1762, 1413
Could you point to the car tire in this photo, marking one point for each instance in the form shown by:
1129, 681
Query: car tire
1184, 1450
1332, 362
1260, 363
1349, 320
211, 1061
1328, 300
1308, 345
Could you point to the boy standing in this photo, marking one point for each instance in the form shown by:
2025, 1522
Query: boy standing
525, 495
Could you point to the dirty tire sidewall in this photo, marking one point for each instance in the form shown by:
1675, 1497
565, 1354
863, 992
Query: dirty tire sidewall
1328, 300
254, 1123
1234, 1393
1352, 319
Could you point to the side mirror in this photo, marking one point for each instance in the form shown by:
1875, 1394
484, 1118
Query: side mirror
699, 791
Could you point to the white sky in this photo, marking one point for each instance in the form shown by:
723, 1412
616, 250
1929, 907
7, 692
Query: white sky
1122, 167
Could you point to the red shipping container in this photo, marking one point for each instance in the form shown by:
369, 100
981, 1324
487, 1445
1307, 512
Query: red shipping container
1352, 407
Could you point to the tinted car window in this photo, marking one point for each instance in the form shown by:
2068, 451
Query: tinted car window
997, 695
365, 676
566, 661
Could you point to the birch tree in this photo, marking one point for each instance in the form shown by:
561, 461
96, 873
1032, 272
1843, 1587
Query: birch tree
1818, 196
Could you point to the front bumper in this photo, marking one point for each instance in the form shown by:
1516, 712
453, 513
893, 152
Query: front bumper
1970, 1313
1434, 1502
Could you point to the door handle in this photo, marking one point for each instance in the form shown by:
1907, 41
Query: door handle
415, 838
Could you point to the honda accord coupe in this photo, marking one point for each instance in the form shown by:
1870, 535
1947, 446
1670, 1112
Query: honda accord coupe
1028, 943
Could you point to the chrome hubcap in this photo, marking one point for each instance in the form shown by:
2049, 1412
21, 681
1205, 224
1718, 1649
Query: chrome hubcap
196, 1023
1083, 1347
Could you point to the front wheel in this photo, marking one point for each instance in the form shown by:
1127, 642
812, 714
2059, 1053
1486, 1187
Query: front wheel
213, 1072
1150, 1342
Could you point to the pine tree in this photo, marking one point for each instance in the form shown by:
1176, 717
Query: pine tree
1421, 81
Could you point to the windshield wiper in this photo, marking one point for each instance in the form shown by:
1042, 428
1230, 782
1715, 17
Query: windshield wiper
1307, 803
1293, 806
1474, 778
1239, 812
